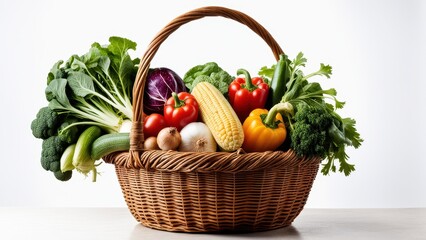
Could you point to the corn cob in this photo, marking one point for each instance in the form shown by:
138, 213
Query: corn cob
218, 115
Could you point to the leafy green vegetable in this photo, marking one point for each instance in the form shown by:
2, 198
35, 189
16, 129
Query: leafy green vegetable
93, 89
96, 87
209, 72
315, 127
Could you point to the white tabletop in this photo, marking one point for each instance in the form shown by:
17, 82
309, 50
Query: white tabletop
119, 224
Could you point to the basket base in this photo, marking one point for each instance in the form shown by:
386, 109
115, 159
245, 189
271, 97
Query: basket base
236, 230
251, 201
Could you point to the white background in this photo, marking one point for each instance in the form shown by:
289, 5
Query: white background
377, 50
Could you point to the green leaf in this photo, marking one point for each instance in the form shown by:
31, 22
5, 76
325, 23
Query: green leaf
209, 72
339, 104
81, 84
312, 87
126, 69
122, 70
267, 72
337, 152
200, 70
294, 89
300, 60
136, 61
102, 50
77, 65
119, 46
57, 106
332, 94
208, 69
55, 72
338, 136
328, 166
344, 166
351, 133
104, 63
57, 90
91, 58
325, 70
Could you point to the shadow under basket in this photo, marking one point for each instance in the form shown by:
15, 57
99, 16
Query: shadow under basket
210, 192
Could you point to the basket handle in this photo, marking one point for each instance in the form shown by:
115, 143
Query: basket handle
136, 135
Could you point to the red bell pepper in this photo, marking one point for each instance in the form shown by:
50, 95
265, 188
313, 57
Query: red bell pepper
247, 94
181, 109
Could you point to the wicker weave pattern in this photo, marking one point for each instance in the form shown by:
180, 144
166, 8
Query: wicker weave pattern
217, 201
209, 192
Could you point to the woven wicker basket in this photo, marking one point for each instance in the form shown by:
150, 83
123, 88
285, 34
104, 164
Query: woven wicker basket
210, 192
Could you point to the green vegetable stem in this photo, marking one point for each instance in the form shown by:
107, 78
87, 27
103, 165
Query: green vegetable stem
82, 159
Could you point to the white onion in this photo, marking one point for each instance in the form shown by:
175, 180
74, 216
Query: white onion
196, 137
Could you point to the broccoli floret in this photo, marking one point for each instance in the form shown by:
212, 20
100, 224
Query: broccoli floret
45, 124
209, 72
309, 135
51, 152
70, 134
63, 176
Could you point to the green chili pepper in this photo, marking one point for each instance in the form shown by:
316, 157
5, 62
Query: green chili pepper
279, 81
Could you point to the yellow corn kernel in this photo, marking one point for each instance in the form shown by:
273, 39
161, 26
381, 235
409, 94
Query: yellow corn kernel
218, 115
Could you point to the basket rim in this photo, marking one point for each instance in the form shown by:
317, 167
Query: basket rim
231, 162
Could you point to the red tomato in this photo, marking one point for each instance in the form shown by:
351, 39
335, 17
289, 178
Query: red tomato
153, 125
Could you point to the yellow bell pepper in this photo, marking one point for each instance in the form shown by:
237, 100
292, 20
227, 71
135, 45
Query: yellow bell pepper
263, 130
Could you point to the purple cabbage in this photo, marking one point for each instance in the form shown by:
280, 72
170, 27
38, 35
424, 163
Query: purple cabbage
160, 84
